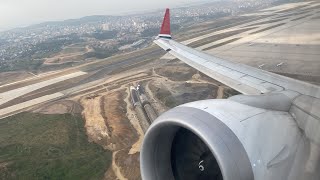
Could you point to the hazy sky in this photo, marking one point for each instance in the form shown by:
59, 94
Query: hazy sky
17, 13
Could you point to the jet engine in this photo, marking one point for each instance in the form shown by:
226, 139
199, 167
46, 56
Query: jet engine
220, 140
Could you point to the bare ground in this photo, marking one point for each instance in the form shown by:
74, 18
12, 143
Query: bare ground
155, 103
179, 72
97, 130
108, 125
122, 133
135, 123
116, 169
4, 170
126, 134
130, 164
68, 54
110, 175
8, 77
60, 107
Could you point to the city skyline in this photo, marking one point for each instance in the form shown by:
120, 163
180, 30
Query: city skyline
15, 14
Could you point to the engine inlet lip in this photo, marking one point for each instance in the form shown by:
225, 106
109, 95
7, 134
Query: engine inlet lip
225, 146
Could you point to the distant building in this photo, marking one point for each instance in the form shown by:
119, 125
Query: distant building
106, 27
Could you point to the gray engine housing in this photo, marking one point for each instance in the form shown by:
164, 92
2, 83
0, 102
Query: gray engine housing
247, 142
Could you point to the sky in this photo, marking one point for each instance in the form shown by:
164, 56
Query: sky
20, 13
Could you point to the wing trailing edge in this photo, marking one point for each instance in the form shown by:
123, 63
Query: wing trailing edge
243, 78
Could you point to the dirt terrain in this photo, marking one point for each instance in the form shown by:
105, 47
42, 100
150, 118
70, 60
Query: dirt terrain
95, 125
178, 83
60, 107
108, 125
176, 72
129, 164
73, 53
122, 133
4, 170
7, 77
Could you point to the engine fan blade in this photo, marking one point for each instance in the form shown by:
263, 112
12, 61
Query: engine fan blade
191, 159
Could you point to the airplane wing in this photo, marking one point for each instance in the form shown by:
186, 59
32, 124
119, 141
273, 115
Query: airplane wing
271, 132
245, 79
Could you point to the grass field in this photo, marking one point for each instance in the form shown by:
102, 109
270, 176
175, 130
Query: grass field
37, 146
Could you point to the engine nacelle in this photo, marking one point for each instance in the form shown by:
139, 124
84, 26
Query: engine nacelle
220, 139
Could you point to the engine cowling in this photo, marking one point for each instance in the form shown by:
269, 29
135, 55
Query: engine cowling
219, 139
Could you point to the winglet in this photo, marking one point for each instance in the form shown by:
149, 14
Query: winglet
165, 28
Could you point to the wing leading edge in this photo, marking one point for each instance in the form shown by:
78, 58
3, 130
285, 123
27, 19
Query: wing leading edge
245, 79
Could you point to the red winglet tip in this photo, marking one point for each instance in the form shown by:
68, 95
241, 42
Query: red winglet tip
165, 28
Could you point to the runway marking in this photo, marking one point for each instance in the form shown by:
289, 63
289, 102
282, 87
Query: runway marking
31, 78
12, 94
18, 107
